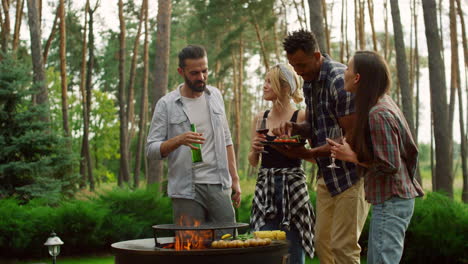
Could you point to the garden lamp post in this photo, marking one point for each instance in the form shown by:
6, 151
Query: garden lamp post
53, 243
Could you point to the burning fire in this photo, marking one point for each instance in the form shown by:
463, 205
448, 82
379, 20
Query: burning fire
191, 239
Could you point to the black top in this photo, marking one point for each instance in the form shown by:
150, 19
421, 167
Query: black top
274, 158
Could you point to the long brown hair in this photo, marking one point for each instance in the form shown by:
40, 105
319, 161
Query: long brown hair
374, 82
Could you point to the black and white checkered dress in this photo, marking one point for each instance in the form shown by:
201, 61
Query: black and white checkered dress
296, 207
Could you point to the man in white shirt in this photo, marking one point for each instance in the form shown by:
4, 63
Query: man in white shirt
201, 193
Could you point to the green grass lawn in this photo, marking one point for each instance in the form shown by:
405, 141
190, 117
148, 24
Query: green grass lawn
69, 260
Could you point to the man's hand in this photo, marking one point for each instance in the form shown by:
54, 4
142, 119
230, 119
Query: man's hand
236, 193
284, 129
189, 138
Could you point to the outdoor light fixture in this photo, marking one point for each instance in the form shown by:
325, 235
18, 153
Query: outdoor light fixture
53, 243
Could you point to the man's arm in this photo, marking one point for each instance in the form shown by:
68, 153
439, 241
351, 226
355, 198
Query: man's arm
345, 122
158, 146
231, 156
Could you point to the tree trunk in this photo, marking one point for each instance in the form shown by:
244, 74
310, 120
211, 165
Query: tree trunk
342, 35
143, 99
51, 36
433, 173
239, 99
124, 167
346, 31
18, 20
63, 68
316, 22
163, 37
444, 179
356, 25
441, 33
89, 78
362, 33
84, 162
402, 66
6, 25
327, 27
300, 19
456, 82
454, 68
1, 23
462, 23
464, 147
39, 77
262, 45
275, 38
416, 62
131, 84
370, 5
411, 49
386, 38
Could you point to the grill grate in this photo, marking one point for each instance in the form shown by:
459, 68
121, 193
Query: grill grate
203, 227
218, 226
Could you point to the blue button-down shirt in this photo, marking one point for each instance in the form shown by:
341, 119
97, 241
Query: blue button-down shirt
332, 102
169, 120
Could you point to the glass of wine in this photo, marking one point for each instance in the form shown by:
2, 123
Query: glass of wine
262, 128
336, 135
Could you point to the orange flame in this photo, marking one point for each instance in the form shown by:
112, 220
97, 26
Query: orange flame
191, 239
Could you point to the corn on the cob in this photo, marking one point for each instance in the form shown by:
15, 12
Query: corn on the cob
274, 234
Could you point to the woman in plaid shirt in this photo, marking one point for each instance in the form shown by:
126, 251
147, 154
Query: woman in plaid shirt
384, 150
281, 198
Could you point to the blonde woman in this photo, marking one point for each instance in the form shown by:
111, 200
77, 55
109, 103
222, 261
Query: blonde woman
281, 198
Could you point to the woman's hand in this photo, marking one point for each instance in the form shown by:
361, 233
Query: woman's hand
342, 151
257, 146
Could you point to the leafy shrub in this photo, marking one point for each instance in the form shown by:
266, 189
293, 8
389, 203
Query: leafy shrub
145, 208
438, 231
84, 226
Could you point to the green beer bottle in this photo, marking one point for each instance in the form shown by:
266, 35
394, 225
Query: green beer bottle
196, 153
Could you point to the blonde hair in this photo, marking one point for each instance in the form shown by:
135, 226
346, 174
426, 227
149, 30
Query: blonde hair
280, 85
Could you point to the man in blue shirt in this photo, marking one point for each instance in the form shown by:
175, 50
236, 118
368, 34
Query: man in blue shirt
199, 192
341, 206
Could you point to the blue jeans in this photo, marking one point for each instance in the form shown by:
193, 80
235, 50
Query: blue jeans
389, 222
296, 252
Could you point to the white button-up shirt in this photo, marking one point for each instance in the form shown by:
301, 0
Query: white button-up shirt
169, 120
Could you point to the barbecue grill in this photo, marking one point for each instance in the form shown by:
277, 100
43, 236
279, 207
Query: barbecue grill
160, 249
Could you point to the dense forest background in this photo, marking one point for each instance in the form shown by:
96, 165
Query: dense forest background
79, 80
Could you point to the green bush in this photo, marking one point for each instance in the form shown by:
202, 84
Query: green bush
144, 208
84, 226
437, 233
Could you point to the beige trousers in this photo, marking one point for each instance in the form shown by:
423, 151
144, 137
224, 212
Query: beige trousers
340, 220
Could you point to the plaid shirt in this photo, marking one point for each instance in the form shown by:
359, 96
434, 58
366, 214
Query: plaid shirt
395, 155
332, 102
296, 207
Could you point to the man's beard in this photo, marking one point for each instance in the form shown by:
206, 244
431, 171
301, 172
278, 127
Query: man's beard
195, 86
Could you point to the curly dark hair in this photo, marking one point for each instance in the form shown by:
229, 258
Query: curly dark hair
301, 39
191, 52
